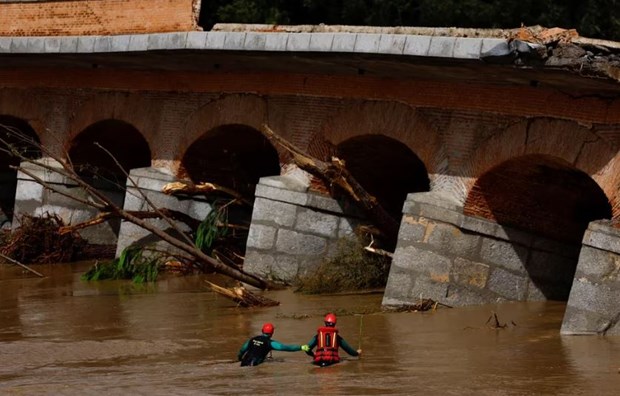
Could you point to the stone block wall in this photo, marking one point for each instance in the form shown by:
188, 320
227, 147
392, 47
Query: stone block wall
293, 229
151, 181
462, 260
594, 302
96, 17
31, 198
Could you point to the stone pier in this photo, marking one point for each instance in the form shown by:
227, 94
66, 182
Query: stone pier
293, 229
33, 199
150, 181
461, 260
594, 302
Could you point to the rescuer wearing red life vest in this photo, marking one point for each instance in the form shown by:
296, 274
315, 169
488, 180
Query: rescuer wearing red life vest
327, 341
255, 350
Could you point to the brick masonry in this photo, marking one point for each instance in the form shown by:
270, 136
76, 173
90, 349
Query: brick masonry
104, 17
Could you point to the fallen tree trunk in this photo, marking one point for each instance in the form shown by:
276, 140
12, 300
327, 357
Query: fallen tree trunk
334, 173
242, 296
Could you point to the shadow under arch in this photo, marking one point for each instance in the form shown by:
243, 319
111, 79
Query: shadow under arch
121, 139
549, 198
8, 176
386, 168
235, 156
127, 146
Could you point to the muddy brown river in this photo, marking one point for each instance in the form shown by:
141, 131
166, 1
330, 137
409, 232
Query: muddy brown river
62, 336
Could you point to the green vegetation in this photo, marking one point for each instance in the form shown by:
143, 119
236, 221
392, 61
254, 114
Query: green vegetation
591, 18
350, 269
135, 265
209, 232
132, 264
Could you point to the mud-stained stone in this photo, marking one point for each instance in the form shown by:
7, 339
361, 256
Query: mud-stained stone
258, 263
508, 285
503, 254
293, 242
411, 230
316, 223
278, 213
450, 240
595, 263
583, 322
398, 286
285, 268
462, 296
424, 288
470, 273
422, 261
261, 236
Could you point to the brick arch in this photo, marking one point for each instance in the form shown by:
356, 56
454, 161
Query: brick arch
142, 114
248, 110
539, 193
391, 119
235, 156
121, 139
22, 106
576, 145
386, 168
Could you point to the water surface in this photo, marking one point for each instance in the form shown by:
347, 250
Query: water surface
62, 336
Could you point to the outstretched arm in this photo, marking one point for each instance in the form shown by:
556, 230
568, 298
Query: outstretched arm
348, 349
278, 346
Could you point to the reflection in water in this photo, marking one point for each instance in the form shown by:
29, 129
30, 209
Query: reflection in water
60, 335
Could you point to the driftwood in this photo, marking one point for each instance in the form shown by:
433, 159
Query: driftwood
495, 324
22, 265
242, 296
426, 304
335, 174
203, 189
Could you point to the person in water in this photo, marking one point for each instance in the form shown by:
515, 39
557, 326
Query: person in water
255, 350
327, 341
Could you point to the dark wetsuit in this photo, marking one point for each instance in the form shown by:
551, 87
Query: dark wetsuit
329, 355
256, 349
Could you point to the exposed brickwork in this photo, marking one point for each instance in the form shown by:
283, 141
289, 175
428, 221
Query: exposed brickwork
96, 17
457, 140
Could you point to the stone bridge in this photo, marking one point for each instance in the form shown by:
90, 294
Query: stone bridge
506, 174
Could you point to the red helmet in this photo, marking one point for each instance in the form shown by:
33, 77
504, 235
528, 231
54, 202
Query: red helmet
330, 318
268, 328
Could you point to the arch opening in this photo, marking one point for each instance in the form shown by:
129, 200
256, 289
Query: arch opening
386, 168
8, 176
233, 156
549, 198
128, 148
124, 142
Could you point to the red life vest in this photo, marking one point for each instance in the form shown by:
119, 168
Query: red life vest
327, 345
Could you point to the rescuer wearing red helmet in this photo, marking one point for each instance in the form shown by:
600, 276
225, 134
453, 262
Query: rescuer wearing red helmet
255, 350
327, 340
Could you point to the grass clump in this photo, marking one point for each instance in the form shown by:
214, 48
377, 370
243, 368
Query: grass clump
132, 264
352, 268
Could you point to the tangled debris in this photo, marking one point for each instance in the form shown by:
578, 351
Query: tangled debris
38, 240
425, 304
